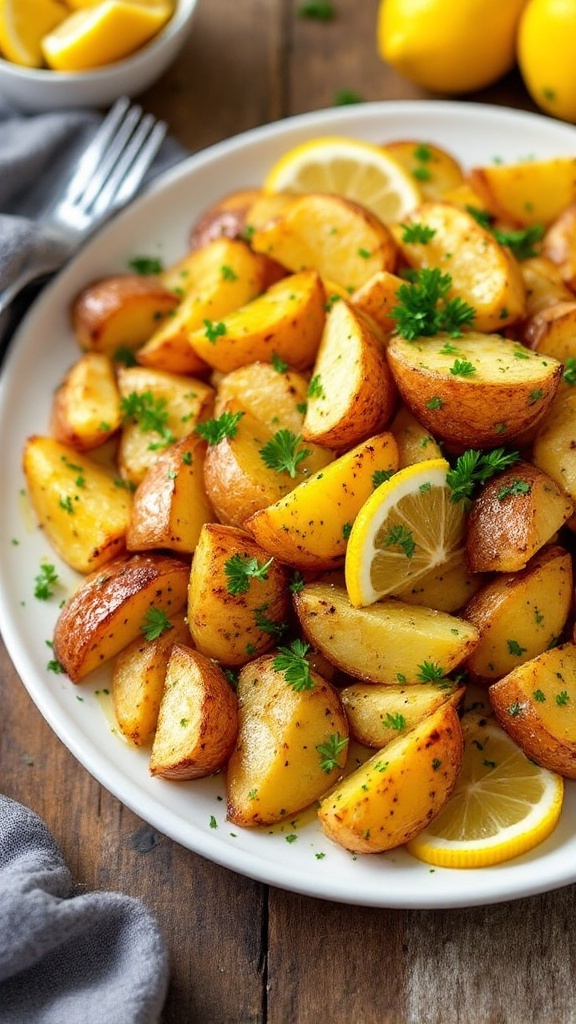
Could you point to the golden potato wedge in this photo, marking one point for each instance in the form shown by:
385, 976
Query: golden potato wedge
86, 407
476, 391
342, 240
388, 642
544, 285
292, 744
520, 614
170, 505
447, 590
377, 298
213, 281
414, 442
559, 245
515, 514
285, 322
265, 208
484, 274
158, 408
552, 331
120, 312
238, 598
226, 218
198, 718
78, 504
529, 192
536, 705
309, 527
240, 478
379, 712
114, 605
553, 449
352, 393
396, 793
275, 395
434, 169
138, 676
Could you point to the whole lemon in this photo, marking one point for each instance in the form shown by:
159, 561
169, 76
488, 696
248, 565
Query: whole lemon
547, 55
449, 46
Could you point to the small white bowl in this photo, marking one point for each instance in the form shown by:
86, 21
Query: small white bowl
33, 90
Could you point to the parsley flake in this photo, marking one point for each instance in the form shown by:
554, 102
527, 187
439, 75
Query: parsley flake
330, 752
155, 623
240, 569
292, 662
283, 453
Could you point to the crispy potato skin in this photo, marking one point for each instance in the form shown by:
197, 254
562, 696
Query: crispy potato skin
107, 611
224, 219
197, 720
531, 192
397, 793
536, 705
443, 172
120, 311
86, 407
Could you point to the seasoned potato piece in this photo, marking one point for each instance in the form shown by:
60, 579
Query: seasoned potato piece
396, 793
515, 514
197, 720
377, 298
120, 312
476, 391
225, 218
211, 282
78, 504
275, 397
379, 712
352, 393
159, 408
239, 480
238, 599
553, 450
170, 504
552, 331
544, 285
113, 604
286, 322
309, 527
266, 207
434, 169
447, 590
388, 642
414, 442
520, 614
484, 274
531, 192
292, 744
536, 705
86, 407
343, 241
559, 245
138, 678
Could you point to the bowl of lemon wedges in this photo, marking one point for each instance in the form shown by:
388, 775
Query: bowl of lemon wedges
72, 53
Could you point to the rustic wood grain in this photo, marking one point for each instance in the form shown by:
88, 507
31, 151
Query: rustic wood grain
239, 952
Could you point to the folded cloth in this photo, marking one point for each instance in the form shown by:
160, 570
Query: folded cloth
98, 957
37, 154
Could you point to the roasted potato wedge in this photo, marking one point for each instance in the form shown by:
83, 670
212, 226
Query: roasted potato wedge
343, 241
531, 192
552, 331
170, 505
138, 676
447, 590
484, 273
309, 527
377, 299
396, 793
198, 718
238, 599
559, 245
379, 712
285, 322
544, 285
515, 514
113, 605
388, 642
120, 312
352, 394
536, 705
86, 407
225, 218
292, 744
553, 450
434, 169
78, 504
519, 615
441, 380
275, 395
414, 442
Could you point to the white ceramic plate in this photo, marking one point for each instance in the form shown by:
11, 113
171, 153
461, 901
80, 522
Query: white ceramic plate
193, 813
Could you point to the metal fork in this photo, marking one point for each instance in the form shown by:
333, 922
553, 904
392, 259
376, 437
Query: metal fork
107, 176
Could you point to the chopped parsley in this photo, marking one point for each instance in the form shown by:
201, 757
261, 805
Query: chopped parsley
149, 412
423, 309
146, 265
155, 623
214, 330
240, 569
292, 662
283, 453
474, 468
214, 431
330, 752
45, 582
417, 233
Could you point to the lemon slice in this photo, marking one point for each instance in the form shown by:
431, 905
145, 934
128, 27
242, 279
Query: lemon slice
357, 170
503, 804
23, 23
100, 35
406, 530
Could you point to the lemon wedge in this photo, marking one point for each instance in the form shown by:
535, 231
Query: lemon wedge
357, 170
100, 35
503, 804
406, 531
23, 23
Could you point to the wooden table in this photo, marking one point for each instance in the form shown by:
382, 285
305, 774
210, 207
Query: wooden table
243, 953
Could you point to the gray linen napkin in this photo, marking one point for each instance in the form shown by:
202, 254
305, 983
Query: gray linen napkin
37, 154
95, 957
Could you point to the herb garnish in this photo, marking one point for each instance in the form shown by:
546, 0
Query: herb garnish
423, 309
155, 623
146, 265
214, 431
45, 581
240, 569
330, 751
282, 452
292, 662
150, 413
474, 468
